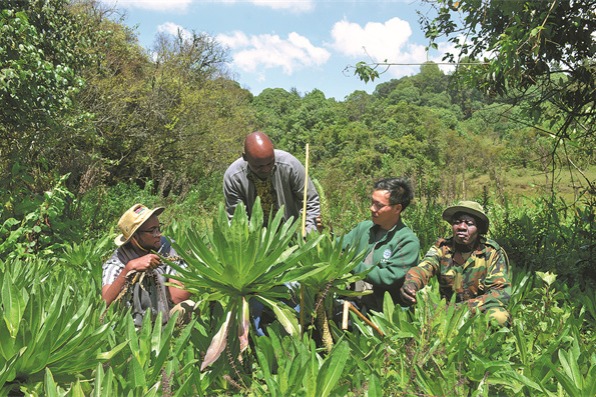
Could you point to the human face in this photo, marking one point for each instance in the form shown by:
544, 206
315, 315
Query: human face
465, 230
384, 213
263, 165
149, 234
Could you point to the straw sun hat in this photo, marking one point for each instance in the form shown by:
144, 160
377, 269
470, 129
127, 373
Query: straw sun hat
132, 219
470, 208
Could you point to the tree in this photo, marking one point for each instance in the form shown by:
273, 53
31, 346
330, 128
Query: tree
39, 62
356, 105
539, 54
199, 114
161, 117
273, 108
43, 50
41, 53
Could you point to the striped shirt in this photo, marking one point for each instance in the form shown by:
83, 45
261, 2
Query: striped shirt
121, 256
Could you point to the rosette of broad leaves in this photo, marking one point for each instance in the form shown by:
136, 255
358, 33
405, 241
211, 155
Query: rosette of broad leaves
47, 324
320, 292
241, 261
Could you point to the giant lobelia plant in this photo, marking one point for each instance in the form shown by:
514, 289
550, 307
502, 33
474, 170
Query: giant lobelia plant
294, 366
243, 262
45, 324
320, 292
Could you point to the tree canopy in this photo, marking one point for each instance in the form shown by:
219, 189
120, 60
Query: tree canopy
538, 51
172, 119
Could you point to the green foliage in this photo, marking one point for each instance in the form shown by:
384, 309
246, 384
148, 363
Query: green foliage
427, 223
140, 367
41, 50
128, 129
166, 115
53, 343
273, 106
541, 53
467, 357
366, 72
291, 366
45, 325
80, 260
549, 236
242, 262
38, 226
319, 291
100, 208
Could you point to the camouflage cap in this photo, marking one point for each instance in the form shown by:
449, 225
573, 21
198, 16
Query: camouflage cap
132, 219
470, 208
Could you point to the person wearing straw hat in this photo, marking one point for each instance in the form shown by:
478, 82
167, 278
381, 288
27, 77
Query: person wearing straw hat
392, 247
469, 265
140, 245
275, 176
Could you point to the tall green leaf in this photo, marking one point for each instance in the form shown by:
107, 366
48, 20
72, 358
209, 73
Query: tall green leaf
14, 301
332, 369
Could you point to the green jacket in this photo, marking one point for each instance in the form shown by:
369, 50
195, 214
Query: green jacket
392, 256
483, 281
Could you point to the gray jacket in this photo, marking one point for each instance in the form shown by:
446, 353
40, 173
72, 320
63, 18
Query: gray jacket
288, 182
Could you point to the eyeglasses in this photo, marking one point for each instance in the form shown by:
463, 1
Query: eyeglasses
154, 231
375, 205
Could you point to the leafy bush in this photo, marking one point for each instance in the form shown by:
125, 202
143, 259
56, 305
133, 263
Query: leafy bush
548, 235
100, 208
39, 226
243, 264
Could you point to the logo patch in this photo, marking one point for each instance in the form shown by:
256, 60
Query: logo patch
387, 254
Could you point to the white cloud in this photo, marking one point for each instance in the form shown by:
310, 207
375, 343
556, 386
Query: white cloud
235, 40
251, 54
378, 41
181, 5
155, 5
387, 42
173, 29
292, 5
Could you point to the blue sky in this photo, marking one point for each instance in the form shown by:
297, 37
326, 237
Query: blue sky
301, 44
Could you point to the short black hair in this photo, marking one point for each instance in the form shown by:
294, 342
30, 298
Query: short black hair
400, 190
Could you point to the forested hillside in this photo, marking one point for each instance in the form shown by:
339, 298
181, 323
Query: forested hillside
91, 122
105, 111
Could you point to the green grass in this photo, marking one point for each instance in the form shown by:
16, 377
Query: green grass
519, 183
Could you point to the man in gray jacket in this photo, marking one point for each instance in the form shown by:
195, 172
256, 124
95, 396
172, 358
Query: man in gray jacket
275, 176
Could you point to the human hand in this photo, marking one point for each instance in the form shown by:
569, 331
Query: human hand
319, 223
144, 263
408, 293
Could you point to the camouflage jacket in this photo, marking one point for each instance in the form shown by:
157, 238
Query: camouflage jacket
483, 281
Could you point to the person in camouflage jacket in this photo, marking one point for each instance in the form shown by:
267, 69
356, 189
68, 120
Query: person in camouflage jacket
468, 264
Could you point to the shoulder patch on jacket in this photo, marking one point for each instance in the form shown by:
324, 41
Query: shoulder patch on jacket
387, 254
